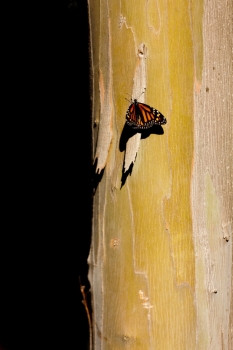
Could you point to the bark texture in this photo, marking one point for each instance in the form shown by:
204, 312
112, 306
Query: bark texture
161, 255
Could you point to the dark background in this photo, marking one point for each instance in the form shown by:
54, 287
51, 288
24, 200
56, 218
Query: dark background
47, 182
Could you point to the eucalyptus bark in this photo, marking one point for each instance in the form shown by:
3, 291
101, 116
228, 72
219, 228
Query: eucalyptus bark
160, 264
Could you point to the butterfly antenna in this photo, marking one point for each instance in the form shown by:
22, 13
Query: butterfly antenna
128, 99
141, 93
131, 99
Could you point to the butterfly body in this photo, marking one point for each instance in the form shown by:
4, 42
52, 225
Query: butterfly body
142, 116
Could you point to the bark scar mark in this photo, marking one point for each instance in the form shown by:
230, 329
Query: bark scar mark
145, 300
114, 243
227, 230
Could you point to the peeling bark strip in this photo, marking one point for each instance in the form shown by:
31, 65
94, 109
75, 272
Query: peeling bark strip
105, 125
105, 90
139, 86
212, 193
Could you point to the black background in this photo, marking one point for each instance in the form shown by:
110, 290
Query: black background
47, 181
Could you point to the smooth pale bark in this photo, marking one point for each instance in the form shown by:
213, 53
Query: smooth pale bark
161, 254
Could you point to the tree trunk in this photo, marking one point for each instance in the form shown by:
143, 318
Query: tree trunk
160, 264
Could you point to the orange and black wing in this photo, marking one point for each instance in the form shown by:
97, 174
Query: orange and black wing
141, 116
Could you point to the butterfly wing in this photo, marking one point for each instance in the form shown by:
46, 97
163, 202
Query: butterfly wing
142, 116
131, 117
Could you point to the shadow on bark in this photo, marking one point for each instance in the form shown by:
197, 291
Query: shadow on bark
126, 134
96, 177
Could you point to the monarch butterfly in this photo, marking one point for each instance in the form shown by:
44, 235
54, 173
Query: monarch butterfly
141, 116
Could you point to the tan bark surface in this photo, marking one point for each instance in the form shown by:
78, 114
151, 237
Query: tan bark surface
161, 255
